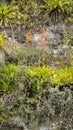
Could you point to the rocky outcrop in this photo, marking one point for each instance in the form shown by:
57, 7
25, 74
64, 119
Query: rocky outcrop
2, 55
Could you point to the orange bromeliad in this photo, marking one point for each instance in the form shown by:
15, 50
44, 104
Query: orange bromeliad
43, 41
28, 38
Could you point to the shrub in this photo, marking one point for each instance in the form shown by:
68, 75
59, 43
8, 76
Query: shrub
35, 79
39, 76
37, 99
63, 77
31, 11
53, 107
28, 57
7, 77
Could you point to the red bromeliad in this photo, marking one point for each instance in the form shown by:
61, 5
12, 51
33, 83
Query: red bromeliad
28, 37
43, 41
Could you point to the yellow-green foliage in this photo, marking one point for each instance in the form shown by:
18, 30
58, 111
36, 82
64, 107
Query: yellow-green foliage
63, 76
34, 78
42, 74
9, 14
59, 5
57, 77
8, 74
2, 40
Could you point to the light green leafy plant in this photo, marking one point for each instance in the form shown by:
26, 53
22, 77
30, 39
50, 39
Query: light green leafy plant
63, 77
42, 76
57, 5
38, 77
9, 14
7, 77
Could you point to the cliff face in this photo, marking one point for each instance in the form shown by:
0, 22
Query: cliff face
31, 105
59, 43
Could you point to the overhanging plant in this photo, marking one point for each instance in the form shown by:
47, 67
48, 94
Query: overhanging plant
57, 7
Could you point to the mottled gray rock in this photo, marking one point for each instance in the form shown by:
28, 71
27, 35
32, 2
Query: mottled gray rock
2, 55
17, 122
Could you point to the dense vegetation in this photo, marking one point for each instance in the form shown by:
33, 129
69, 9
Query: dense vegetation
33, 84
